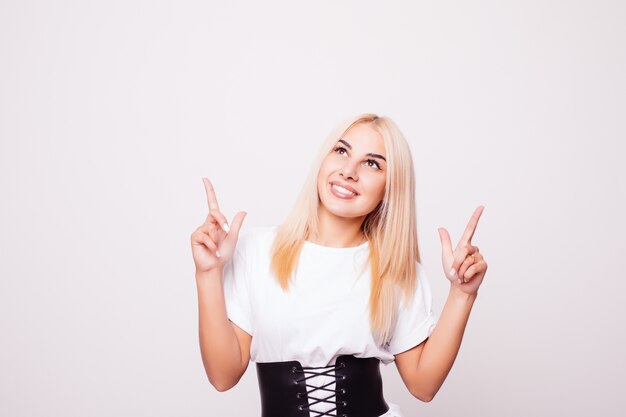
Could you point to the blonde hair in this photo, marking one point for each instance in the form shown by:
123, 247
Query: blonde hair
390, 228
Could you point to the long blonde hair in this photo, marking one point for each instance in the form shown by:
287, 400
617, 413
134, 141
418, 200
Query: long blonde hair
390, 228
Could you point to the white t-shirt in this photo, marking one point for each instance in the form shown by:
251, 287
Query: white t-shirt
325, 313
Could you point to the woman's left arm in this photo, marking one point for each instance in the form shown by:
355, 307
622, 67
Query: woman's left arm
425, 367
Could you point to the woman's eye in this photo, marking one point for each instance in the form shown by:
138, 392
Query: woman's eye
374, 162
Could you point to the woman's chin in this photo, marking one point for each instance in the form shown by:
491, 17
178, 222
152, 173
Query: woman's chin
342, 212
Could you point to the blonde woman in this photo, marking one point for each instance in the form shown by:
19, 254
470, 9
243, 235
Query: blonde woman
320, 300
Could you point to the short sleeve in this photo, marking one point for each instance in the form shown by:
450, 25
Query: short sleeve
236, 286
416, 321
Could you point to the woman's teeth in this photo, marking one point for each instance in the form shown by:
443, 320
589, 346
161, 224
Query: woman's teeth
342, 190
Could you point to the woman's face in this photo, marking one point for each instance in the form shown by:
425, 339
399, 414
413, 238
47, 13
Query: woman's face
356, 162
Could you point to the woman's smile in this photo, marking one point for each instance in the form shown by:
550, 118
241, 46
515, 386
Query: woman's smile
342, 192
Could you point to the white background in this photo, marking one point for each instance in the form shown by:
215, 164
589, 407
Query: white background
112, 111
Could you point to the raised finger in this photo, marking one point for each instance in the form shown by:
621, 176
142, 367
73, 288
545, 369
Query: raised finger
446, 244
468, 233
210, 195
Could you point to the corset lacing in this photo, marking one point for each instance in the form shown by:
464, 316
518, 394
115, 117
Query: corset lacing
309, 370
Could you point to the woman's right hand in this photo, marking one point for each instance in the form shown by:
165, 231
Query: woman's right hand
213, 243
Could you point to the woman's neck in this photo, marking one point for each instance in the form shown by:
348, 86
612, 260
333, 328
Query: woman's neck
338, 232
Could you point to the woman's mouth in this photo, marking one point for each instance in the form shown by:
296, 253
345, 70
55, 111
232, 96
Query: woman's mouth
341, 192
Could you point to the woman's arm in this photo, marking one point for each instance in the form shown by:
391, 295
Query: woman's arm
225, 348
425, 367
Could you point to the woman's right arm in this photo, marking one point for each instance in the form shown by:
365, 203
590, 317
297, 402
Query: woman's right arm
224, 346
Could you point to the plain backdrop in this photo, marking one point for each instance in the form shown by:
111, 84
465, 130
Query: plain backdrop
111, 112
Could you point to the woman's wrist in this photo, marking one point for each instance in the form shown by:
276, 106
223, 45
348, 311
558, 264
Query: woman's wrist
457, 294
204, 276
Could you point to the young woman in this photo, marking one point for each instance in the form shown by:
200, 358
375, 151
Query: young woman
320, 300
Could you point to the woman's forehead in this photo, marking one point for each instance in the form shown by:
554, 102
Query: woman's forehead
364, 137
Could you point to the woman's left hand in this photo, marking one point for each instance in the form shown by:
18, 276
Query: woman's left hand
465, 267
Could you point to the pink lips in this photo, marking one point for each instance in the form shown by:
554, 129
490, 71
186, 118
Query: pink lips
339, 195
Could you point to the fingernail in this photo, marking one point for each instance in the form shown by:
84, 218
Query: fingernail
217, 253
452, 272
459, 280
226, 227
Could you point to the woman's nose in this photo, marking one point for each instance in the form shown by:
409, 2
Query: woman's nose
349, 170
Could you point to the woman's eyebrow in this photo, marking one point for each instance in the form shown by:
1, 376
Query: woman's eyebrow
373, 155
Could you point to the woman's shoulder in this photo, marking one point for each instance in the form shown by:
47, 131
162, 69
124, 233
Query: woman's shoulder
421, 285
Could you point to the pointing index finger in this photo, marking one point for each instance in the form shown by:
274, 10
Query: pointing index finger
210, 195
471, 226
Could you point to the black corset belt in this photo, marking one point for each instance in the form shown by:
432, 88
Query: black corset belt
358, 388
